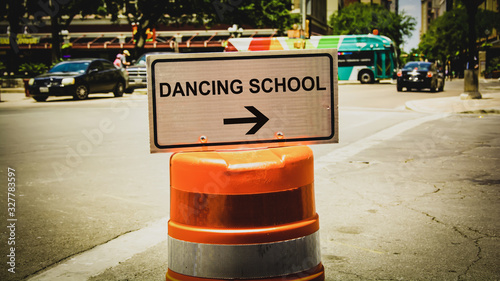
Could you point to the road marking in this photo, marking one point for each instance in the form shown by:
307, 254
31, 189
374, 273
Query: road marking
343, 153
98, 259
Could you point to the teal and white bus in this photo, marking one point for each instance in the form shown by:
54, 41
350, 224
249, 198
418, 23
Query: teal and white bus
366, 58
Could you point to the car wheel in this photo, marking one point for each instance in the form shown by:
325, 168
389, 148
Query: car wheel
41, 97
81, 92
119, 89
366, 77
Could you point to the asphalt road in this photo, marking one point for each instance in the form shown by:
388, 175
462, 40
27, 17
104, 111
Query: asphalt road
403, 196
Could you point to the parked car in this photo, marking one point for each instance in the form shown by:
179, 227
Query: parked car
79, 78
137, 72
420, 75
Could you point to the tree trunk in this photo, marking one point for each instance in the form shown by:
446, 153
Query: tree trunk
15, 12
471, 81
140, 37
471, 18
471, 85
56, 38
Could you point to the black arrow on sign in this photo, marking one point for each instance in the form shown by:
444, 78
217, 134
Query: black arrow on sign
259, 120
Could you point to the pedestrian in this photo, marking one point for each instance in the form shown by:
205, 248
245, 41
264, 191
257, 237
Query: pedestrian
118, 61
124, 61
448, 71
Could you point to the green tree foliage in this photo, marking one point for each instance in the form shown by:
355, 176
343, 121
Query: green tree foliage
255, 13
33, 69
360, 18
486, 21
13, 11
206, 13
147, 14
448, 35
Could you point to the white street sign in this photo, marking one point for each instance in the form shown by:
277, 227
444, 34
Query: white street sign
209, 101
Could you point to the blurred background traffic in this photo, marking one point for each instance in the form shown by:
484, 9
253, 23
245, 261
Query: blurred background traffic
37, 34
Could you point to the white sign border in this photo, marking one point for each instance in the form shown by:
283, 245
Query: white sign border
331, 54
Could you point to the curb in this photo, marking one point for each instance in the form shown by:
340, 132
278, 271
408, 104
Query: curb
12, 90
141, 91
412, 107
489, 104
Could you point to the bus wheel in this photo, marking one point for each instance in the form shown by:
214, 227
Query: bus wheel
366, 77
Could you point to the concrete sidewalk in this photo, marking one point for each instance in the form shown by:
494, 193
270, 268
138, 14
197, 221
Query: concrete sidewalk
490, 103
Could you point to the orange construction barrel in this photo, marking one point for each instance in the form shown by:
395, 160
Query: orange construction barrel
247, 214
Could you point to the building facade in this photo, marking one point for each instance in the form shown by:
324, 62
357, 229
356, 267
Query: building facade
316, 14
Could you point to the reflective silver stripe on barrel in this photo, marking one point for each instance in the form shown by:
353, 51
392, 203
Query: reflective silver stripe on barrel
244, 261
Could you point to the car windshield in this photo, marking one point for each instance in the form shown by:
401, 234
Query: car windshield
416, 65
141, 60
79, 67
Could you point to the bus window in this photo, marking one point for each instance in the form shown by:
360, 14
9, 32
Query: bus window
355, 58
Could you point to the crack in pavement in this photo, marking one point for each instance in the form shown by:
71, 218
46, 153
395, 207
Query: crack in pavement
475, 241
